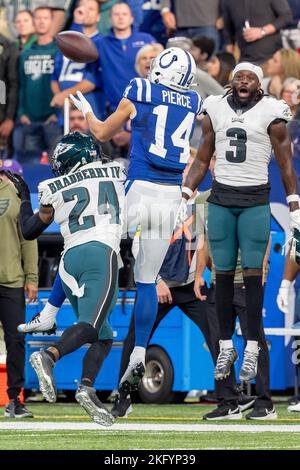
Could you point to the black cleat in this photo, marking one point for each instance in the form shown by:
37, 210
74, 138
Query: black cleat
16, 409
249, 367
262, 414
43, 366
122, 406
132, 377
223, 412
225, 361
87, 398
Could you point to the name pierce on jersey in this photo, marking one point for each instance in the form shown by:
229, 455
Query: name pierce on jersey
63, 182
172, 97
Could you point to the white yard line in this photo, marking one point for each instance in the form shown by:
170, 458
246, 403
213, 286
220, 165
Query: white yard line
50, 426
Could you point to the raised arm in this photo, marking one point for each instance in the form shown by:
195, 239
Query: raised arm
200, 165
105, 130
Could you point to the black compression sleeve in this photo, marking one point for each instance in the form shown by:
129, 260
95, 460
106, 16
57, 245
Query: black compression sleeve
31, 224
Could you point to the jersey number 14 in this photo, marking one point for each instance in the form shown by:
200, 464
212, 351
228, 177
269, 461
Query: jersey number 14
180, 137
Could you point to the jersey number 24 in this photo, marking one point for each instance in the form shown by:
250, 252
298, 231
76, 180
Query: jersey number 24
107, 204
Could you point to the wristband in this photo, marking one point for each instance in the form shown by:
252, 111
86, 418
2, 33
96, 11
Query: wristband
292, 198
187, 191
285, 283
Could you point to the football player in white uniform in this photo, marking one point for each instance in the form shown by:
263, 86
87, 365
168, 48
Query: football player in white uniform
242, 127
86, 198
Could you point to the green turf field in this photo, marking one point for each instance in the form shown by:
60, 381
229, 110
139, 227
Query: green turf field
43, 432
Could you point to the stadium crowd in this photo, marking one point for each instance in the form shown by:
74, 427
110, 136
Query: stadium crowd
128, 35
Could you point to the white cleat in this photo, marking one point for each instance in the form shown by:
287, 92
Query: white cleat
40, 323
132, 377
294, 408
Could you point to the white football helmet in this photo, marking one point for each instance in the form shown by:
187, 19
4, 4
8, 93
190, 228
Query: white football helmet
175, 68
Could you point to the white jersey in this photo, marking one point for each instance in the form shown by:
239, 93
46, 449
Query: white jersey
243, 146
88, 204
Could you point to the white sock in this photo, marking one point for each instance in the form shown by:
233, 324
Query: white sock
138, 355
49, 312
226, 344
252, 346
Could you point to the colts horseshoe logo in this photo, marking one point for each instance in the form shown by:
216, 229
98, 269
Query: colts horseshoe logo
165, 66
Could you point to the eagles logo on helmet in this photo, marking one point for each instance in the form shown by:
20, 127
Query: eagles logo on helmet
75, 150
295, 247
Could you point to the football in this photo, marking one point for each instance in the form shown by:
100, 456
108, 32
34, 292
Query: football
76, 46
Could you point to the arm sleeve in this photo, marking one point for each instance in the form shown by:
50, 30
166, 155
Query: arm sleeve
29, 253
12, 82
57, 295
282, 12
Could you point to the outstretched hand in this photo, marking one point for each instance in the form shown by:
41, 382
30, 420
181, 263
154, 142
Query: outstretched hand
20, 185
81, 103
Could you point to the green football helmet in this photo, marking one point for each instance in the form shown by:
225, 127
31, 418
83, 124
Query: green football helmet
73, 151
295, 247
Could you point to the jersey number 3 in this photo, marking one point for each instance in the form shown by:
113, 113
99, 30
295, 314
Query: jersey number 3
239, 142
107, 204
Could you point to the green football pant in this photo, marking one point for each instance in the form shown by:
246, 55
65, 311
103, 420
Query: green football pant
95, 265
231, 228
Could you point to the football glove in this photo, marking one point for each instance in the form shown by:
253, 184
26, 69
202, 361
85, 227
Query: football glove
295, 219
81, 103
20, 184
283, 295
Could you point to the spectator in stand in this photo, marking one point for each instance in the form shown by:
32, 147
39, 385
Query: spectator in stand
285, 63
117, 53
193, 18
291, 94
58, 8
37, 129
104, 24
221, 66
70, 76
291, 35
77, 121
144, 57
255, 26
25, 29
8, 93
18, 275
152, 20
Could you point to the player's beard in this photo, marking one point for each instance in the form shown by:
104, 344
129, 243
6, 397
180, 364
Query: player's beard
246, 101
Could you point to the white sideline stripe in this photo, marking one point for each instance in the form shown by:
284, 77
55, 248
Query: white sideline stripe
50, 426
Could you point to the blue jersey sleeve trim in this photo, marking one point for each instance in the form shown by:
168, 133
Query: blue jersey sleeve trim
138, 90
189, 69
200, 103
